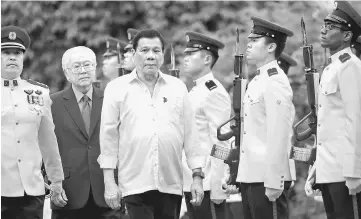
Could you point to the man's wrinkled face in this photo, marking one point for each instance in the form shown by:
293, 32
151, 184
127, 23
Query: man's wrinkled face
12, 60
193, 62
110, 64
129, 64
148, 57
81, 69
257, 50
331, 35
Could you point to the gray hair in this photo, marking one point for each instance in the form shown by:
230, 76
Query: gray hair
78, 49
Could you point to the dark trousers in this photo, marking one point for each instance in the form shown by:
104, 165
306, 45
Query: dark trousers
89, 211
207, 209
256, 204
25, 207
337, 201
153, 205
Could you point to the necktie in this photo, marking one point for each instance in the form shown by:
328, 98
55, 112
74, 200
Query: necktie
86, 112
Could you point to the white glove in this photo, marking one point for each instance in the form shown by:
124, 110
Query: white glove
273, 194
58, 197
353, 185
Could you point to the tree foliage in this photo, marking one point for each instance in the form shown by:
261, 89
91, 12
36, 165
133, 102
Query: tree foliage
55, 26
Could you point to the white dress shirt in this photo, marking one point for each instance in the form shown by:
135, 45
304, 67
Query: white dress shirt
145, 134
339, 119
268, 118
212, 107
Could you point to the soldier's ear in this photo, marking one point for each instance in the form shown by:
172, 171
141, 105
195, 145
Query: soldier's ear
347, 36
272, 47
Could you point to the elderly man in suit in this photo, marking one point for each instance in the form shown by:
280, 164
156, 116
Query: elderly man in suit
76, 113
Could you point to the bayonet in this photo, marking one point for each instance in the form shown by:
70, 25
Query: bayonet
174, 72
303, 30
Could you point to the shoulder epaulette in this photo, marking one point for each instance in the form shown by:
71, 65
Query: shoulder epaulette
37, 83
272, 71
344, 57
211, 85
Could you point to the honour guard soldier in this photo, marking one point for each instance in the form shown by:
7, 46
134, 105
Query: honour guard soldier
113, 60
265, 170
212, 106
27, 132
285, 62
338, 160
129, 64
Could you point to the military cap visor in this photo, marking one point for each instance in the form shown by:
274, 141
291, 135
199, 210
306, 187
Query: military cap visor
112, 45
14, 37
197, 41
345, 15
263, 28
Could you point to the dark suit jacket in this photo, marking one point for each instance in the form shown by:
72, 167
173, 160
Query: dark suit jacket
78, 151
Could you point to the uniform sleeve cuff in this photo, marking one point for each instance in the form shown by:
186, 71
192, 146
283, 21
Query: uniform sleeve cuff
351, 166
196, 162
107, 162
275, 182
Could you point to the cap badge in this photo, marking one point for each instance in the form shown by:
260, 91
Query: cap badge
335, 6
107, 44
187, 38
129, 36
12, 35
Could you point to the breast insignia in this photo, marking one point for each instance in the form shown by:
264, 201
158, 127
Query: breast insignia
272, 71
37, 83
211, 85
344, 57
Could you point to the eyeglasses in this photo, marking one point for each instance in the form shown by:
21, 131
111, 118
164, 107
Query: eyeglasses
77, 68
331, 27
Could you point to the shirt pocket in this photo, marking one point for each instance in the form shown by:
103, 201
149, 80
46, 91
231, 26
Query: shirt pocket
328, 89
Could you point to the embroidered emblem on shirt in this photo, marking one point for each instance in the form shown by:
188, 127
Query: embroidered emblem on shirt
272, 71
211, 85
278, 102
28, 92
344, 57
165, 99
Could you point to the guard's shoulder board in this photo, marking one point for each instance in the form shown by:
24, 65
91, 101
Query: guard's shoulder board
344, 57
272, 71
211, 85
37, 83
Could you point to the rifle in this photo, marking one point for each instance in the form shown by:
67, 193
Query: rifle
307, 155
48, 191
231, 156
174, 72
121, 70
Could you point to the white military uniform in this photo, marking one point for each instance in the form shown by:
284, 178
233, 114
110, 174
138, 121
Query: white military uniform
212, 106
339, 119
27, 137
268, 119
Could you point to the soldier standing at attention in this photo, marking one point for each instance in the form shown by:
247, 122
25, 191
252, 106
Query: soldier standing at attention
338, 160
129, 64
212, 106
28, 137
113, 60
265, 170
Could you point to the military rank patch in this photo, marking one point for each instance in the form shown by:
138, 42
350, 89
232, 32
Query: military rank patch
344, 57
272, 71
211, 85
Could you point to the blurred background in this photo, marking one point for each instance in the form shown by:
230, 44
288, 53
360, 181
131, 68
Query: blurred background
55, 26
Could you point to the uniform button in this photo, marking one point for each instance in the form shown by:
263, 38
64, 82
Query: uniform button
18, 141
320, 105
245, 114
89, 147
244, 132
17, 123
19, 160
242, 151
281, 186
320, 143
16, 105
319, 125
282, 177
12, 89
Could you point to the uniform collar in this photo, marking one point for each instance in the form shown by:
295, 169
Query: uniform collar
203, 79
10, 83
335, 56
263, 70
79, 95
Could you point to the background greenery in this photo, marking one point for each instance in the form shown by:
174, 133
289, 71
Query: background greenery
55, 26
